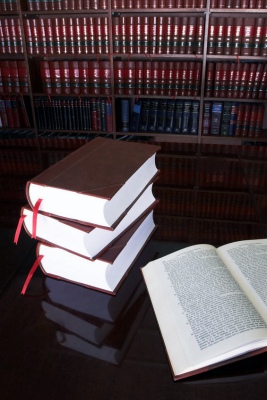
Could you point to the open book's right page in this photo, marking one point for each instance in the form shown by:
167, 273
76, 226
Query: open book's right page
247, 262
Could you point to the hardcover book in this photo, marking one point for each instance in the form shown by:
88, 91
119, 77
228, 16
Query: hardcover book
90, 185
106, 273
200, 327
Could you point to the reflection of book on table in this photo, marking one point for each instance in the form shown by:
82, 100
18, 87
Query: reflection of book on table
211, 304
115, 345
106, 273
97, 304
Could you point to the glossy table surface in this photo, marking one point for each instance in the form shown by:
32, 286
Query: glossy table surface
59, 347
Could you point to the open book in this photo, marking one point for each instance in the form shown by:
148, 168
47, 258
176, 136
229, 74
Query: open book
210, 304
96, 184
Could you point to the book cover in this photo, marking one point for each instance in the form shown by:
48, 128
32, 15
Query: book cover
144, 116
178, 117
187, 117
169, 121
194, 118
135, 116
153, 115
206, 121
226, 116
233, 118
125, 115
108, 184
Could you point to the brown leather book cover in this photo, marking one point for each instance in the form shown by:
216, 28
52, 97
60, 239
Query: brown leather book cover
98, 169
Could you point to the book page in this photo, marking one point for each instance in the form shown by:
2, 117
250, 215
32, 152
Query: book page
203, 314
247, 261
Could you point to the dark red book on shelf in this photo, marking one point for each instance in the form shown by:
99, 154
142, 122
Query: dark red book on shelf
239, 119
65, 77
102, 35
139, 68
228, 40
224, 79
168, 35
199, 39
176, 35
1, 81
116, 31
42, 30
6, 36
212, 35
118, 77
109, 117
153, 35
233, 118
197, 78
258, 36
237, 36
23, 78
251, 80
230, 83
252, 120
55, 74
130, 35
57, 35
129, 77
83, 77
170, 73
263, 84
190, 78
220, 37
191, 35
259, 120
37, 45
105, 77
183, 36
6, 76
28, 35
155, 78
145, 45
246, 119
162, 77
46, 76
49, 35
77, 30
257, 81
248, 37
177, 78
210, 72
25, 122
217, 78
15, 39
147, 77
264, 40
236, 80
74, 75
184, 78
244, 80
161, 21
13, 71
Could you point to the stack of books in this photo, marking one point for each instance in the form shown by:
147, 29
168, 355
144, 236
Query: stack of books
92, 213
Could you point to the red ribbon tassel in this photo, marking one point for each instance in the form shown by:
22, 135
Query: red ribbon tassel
17, 233
34, 217
30, 274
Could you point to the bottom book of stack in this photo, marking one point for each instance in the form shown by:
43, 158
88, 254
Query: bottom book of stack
105, 273
94, 323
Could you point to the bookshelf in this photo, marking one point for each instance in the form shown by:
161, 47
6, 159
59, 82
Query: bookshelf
82, 62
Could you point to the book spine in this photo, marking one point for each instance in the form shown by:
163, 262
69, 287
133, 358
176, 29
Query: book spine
3, 114
135, 116
161, 120
144, 116
258, 35
229, 30
129, 77
212, 35
153, 115
169, 116
206, 121
194, 118
83, 77
237, 36
147, 77
178, 117
55, 77
217, 79
226, 116
244, 80
191, 35
23, 112
105, 78
210, 71
119, 77
125, 117
109, 122
199, 41
220, 38
139, 68
233, 118
224, 79
216, 115
186, 123
239, 119
94, 77
247, 38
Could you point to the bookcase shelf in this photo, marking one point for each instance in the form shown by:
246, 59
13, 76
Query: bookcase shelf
155, 50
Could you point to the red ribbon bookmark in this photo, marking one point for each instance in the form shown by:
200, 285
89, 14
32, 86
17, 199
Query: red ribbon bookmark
30, 274
34, 217
17, 233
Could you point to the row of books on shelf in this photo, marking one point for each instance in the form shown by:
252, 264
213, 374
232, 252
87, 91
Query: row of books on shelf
13, 112
160, 116
9, 5
76, 77
242, 80
11, 40
115, 4
158, 34
50, 5
133, 4
232, 119
13, 76
180, 78
237, 36
67, 35
77, 113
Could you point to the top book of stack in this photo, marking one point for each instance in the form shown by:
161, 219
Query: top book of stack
96, 184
